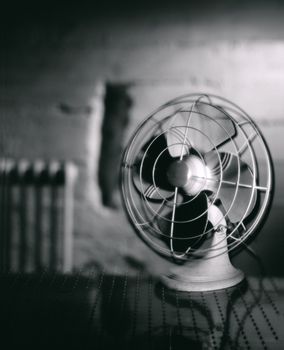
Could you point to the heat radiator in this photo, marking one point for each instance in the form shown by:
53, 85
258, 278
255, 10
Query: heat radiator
36, 215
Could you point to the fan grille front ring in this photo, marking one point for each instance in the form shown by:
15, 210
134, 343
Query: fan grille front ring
136, 203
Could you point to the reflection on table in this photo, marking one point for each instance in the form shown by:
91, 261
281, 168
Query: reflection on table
100, 311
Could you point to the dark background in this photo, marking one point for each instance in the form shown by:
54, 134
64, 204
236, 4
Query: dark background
62, 61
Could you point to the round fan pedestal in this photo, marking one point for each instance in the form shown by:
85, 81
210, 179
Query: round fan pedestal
196, 279
206, 273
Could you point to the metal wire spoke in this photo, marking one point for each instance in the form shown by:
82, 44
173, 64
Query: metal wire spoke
232, 183
150, 190
186, 130
260, 188
179, 135
176, 188
245, 145
177, 132
172, 221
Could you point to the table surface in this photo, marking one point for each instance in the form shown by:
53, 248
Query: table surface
101, 311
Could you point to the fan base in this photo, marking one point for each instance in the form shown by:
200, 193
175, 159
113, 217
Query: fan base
204, 275
185, 284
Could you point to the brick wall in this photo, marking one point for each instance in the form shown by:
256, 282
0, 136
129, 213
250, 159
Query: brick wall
54, 69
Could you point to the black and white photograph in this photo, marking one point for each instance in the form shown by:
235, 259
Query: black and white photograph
142, 175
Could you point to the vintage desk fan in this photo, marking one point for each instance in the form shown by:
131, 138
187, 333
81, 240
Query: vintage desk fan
196, 183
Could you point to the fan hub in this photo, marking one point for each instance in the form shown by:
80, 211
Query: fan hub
189, 173
197, 180
178, 173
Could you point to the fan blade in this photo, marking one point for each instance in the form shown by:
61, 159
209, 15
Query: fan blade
156, 161
150, 169
236, 196
186, 234
215, 240
205, 127
214, 123
150, 191
175, 132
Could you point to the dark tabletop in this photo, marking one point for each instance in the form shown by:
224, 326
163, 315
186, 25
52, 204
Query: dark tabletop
101, 311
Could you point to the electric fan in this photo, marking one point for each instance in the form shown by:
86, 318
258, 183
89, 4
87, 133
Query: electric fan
196, 183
